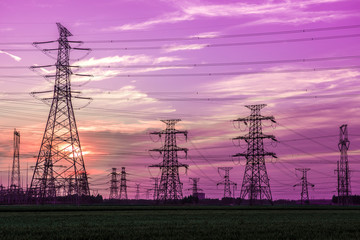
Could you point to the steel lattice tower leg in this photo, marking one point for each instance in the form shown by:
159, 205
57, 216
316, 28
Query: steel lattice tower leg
226, 182
123, 186
344, 190
170, 186
60, 158
195, 189
255, 183
15, 173
114, 188
304, 185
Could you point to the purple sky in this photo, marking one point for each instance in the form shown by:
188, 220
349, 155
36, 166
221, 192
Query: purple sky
309, 106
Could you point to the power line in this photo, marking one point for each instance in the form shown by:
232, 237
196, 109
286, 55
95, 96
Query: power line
212, 74
221, 64
173, 47
256, 34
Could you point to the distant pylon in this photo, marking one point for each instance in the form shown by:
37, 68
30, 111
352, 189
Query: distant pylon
137, 196
344, 189
195, 189
60, 159
170, 186
304, 184
123, 186
156, 187
227, 183
114, 187
255, 183
148, 193
15, 173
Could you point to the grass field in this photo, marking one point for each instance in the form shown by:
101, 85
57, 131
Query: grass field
177, 222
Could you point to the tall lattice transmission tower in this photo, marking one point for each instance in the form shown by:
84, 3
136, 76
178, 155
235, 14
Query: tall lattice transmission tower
195, 188
344, 189
304, 185
114, 185
123, 185
227, 182
137, 195
156, 187
60, 168
15, 173
170, 187
255, 185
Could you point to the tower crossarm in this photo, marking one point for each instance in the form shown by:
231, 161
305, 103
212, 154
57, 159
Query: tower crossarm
256, 117
261, 136
272, 154
174, 148
167, 131
226, 182
173, 165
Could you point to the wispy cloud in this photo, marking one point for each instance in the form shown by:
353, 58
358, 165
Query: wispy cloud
7, 29
245, 9
166, 59
284, 84
167, 18
126, 60
93, 66
129, 128
124, 94
16, 58
291, 12
174, 48
123, 60
302, 18
206, 35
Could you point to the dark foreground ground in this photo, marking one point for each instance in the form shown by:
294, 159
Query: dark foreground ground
136, 222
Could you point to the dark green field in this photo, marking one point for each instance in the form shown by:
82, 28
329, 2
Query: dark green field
129, 222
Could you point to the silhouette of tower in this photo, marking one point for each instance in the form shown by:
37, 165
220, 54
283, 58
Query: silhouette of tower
15, 173
123, 186
156, 188
60, 160
148, 193
170, 186
226, 182
255, 183
114, 188
137, 195
304, 184
343, 171
195, 189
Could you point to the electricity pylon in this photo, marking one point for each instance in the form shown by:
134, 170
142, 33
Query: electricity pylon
227, 183
170, 187
344, 190
304, 185
137, 196
195, 189
60, 159
15, 173
148, 193
123, 186
156, 187
114, 187
255, 183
